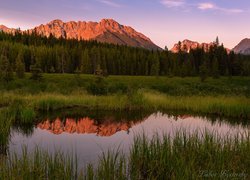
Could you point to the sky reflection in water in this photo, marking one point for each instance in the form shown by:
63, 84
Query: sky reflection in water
89, 138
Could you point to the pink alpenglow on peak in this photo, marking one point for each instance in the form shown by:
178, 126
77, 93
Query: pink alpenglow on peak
187, 45
106, 31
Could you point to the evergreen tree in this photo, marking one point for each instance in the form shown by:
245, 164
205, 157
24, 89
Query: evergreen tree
246, 68
203, 72
183, 70
217, 42
98, 86
20, 67
6, 72
98, 71
86, 63
62, 60
204, 69
155, 66
77, 75
215, 68
65, 56
36, 72
52, 69
179, 46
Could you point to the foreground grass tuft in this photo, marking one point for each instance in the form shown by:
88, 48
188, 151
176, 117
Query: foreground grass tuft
183, 156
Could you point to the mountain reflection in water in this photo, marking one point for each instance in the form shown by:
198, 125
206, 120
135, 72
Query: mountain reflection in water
90, 134
84, 125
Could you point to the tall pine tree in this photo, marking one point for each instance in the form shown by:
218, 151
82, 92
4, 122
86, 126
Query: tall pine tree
20, 67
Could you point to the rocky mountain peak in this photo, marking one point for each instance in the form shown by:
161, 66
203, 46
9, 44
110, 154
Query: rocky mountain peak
8, 30
109, 22
186, 45
56, 21
107, 30
243, 47
2, 26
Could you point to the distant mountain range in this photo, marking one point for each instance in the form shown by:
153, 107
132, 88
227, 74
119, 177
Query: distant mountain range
187, 45
107, 31
243, 47
110, 31
7, 30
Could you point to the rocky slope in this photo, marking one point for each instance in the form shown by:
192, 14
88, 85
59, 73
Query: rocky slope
187, 45
107, 30
243, 47
7, 30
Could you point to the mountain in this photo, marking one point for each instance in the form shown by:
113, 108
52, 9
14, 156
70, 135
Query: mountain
107, 31
7, 30
243, 47
187, 45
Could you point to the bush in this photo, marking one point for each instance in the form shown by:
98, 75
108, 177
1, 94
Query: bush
98, 87
36, 73
117, 88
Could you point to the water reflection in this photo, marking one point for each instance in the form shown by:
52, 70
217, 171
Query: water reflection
89, 134
85, 126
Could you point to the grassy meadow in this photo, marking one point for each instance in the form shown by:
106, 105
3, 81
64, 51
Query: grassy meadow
21, 99
184, 156
174, 86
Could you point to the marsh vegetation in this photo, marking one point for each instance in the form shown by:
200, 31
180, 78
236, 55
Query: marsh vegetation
162, 157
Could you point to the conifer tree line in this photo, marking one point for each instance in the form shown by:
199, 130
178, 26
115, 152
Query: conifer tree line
28, 52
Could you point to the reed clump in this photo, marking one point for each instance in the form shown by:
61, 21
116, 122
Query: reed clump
178, 156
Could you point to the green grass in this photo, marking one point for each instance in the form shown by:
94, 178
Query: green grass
183, 156
186, 156
70, 83
24, 98
25, 107
5, 125
233, 106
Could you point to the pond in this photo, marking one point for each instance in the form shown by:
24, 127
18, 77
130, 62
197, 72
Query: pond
92, 133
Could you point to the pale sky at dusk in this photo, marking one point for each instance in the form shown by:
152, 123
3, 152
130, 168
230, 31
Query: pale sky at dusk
165, 22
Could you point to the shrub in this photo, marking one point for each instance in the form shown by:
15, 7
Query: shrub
36, 73
117, 88
98, 87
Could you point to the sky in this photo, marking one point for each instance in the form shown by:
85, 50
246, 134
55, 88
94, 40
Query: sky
165, 22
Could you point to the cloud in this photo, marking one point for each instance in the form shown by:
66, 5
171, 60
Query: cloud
173, 3
233, 10
110, 3
205, 6
211, 6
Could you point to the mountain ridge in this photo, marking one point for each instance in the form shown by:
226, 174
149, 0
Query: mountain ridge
106, 31
243, 47
110, 31
186, 45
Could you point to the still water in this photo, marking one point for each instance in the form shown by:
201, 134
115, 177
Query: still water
90, 135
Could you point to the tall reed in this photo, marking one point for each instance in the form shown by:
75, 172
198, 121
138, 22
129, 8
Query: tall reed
182, 156
5, 125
